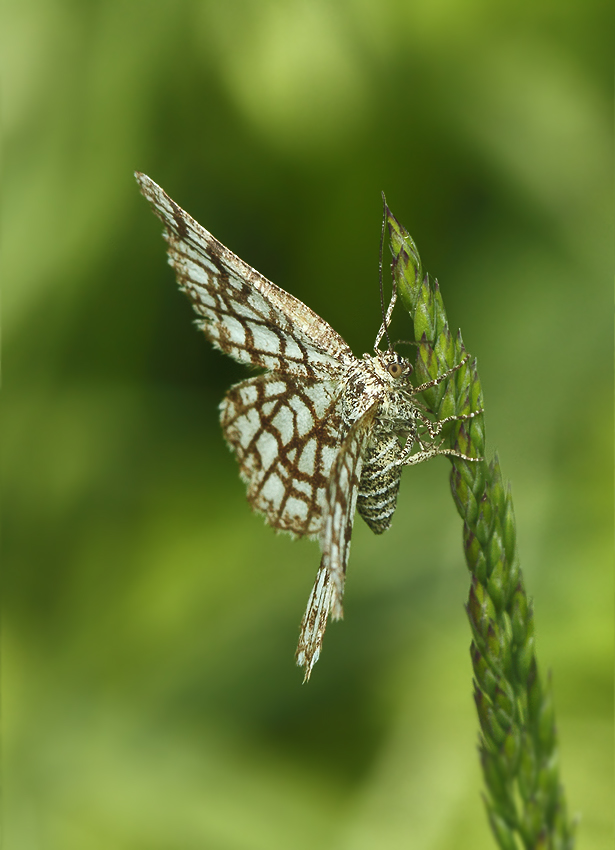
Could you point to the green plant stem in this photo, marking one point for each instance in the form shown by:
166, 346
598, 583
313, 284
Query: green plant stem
518, 744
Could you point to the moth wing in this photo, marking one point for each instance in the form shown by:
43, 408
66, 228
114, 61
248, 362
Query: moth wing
243, 314
285, 433
338, 518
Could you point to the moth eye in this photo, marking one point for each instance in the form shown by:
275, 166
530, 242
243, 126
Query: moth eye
395, 370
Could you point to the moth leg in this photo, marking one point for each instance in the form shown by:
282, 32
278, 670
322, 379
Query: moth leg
442, 377
426, 451
434, 428
409, 459
462, 417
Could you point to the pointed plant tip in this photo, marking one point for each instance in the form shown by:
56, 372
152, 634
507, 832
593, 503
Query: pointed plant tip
386, 212
392, 218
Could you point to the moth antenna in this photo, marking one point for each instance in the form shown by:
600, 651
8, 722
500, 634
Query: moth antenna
386, 317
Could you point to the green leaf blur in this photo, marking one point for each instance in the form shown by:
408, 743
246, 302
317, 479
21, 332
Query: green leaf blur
150, 619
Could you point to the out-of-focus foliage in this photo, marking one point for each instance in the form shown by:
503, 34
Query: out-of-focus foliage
150, 620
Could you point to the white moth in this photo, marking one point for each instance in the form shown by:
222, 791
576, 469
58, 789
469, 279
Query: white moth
320, 432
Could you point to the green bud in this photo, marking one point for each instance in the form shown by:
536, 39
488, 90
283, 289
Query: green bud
485, 677
524, 659
476, 427
439, 310
534, 696
462, 439
483, 523
548, 782
504, 702
497, 584
446, 404
526, 776
424, 318
532, 824
463, 378
503, 833
467, 470
445, 344
519, 615
511, 749
508, 527
546, 721
465, 501
476, 394
494, 645
473, 552
478, 468
480, 609
499, 645
496, 479
492, 729
514, 573
480, 570
499, 785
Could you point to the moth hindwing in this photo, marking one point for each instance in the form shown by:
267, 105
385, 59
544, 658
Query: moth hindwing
320, 432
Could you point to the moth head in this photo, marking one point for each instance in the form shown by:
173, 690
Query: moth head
397, 366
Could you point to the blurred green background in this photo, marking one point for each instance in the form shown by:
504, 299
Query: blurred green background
150, 694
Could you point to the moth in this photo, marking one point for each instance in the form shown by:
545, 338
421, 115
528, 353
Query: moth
319, 433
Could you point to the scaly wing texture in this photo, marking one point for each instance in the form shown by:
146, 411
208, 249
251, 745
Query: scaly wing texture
245, 315
285, 432
340, 503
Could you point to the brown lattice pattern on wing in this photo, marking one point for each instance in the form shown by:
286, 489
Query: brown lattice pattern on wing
285, 433
246, 315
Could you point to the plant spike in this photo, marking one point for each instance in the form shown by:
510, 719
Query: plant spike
518, 743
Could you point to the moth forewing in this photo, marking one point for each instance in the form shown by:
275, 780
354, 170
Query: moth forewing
247, 316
